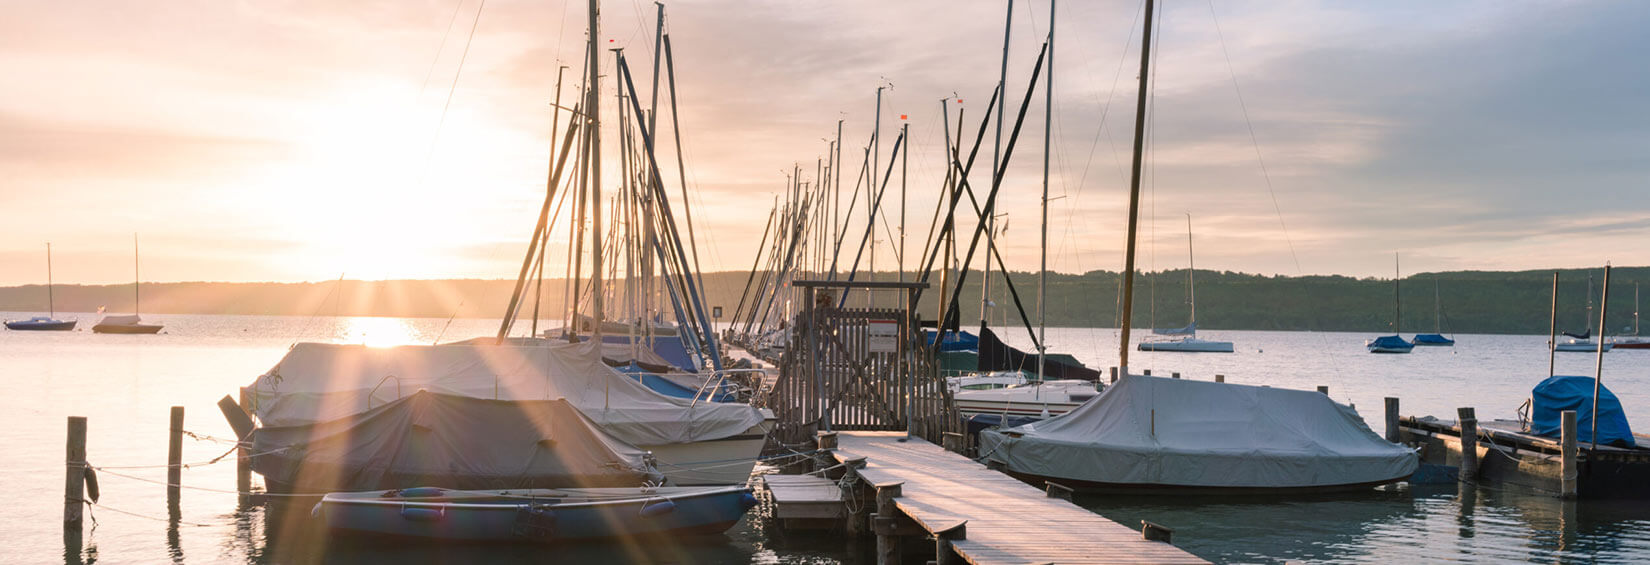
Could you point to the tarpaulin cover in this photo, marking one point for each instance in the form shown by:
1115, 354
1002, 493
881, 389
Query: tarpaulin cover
1431, 338
430, 439
661, 350
1185, 433
1190, 329
317, 382
1390, 341
1556, 394
998, 356
954, 340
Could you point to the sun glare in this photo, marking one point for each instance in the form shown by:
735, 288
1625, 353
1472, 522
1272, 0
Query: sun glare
377, 332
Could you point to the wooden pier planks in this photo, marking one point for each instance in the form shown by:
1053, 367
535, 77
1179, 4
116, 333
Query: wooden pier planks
805, 496
1006, 520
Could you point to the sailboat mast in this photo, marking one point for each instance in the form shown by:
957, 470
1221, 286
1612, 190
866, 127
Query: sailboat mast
1134, 190
996, 158
51, 303
1437, 309
1589, 319
1397, 303
1042, 251
593, 106
1191, 267
1552, 328
136, 276
1635, 303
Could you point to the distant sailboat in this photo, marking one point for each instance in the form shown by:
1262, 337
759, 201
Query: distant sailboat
48, 323
1583, 342
122, 324
1185, 339
1392, 343
1435, 339
1634, 342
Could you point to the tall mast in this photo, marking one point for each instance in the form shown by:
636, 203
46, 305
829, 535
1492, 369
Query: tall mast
51, 303
1042, 247
1635, 301
996, 157
1589, 319
871, 190
1397, 303
550, 190
1191, 268
593, 109
1134, 191
836, 196
1552, 327
904, 160
136, 276
1437, 309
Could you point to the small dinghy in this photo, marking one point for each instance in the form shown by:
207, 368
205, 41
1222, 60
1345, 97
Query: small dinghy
539, 515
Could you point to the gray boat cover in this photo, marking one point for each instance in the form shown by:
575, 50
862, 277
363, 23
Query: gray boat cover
430, 439
1183, 433
318, 382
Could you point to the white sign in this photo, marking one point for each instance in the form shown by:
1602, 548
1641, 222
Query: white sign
884, 336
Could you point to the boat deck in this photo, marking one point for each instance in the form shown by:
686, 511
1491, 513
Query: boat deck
1002, 519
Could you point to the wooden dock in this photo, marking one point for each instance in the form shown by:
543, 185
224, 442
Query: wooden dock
975, 514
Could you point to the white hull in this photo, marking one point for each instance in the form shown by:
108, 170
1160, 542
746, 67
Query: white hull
1581, 347
1048, 399
726, 461
1188, 345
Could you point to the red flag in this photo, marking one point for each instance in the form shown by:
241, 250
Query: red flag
902, 116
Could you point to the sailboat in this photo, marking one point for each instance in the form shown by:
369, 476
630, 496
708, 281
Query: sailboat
1181, 435
1582, 342
1392, 343
128, 324
48, 323
1436, 338
1185, 339
1633, 342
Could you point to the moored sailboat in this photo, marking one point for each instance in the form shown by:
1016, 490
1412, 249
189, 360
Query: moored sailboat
1185, 339
132, 323
49, 322
1436, 338
1394, 343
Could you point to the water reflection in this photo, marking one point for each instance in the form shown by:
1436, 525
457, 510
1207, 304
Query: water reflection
378, 332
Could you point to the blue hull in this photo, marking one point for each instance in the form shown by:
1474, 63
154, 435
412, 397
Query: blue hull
537, 515
41, 326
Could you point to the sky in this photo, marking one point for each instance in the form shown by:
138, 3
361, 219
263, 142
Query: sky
306, 140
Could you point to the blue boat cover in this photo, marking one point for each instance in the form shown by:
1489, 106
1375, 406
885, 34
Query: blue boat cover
954, 340
670, 347
1389, 341
1190, 329
671, 388
1432, 338
998, 356
1557, 394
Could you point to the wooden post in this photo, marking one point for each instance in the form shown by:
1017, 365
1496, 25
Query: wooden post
1324, 390
1174, 375
1156, 532
1147, 372
174, 457
943, 553
1469, 443
1392, 434
1571, 471
887, 542
858, 519
1052, 489
243, 453
74, 475
1220, 378
1114, 374
825, 442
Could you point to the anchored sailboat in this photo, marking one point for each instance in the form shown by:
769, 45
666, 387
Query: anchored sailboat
1185, 339
1436, 338
1392, 343
1634, 341
128, 324
49, 322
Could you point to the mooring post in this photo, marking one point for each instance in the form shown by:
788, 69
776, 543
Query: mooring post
1323, 389
1220, 378
1175, 375
1147, 372
1114, 374
825, 442
1156, 532
943, 553
243, 453
74, 474
1392, 419
1469, 443
1567, 448
174, 457
884, 523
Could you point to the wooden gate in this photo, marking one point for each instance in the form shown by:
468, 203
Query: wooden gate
859, 368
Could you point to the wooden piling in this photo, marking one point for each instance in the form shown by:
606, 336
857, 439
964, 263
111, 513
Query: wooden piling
1567, 448
1147, 372
1156, 532
1114, 374
943, 554
1175, 375
1392, 419
1324, 390
887, 540
74, 474
1468, 420
174, 457
1220, 378
243, 452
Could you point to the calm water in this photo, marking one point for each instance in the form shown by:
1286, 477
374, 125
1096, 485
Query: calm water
125, 384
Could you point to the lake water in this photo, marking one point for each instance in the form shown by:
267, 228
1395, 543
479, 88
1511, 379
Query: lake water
125, 384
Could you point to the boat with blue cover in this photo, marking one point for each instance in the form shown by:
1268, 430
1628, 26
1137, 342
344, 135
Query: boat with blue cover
536, 515
1436, 338
48, 323
1392, 343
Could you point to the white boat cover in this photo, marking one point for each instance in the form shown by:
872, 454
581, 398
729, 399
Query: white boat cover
1184, 433
318, 382
120, 320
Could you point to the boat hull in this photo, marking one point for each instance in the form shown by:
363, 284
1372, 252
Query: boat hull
46, 326
537, 515
1384, 349
1582, 347
1100, 487
126, 328
1631, 345
724, 461
1198, 346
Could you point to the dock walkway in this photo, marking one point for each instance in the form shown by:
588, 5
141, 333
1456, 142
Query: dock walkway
992, 517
